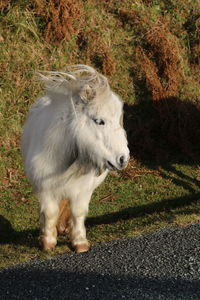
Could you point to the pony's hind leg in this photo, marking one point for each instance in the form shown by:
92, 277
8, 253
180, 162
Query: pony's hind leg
63, 224
49, 212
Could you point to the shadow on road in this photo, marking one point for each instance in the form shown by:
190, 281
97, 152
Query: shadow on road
33, 283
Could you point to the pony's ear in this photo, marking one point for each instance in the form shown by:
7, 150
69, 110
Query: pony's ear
87, 93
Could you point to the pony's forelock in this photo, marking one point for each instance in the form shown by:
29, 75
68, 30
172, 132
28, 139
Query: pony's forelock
78, 78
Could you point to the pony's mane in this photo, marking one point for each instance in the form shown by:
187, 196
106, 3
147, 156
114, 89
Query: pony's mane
79, 77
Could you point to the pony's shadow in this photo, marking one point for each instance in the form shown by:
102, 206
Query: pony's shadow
164, 131
163, 134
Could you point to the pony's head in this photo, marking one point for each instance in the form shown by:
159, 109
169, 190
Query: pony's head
97, 122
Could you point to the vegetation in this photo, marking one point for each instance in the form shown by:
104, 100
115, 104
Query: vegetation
149, 50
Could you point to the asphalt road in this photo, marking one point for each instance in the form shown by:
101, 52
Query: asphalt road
162, 265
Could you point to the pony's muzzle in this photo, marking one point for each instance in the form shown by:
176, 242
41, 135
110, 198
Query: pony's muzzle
120, 163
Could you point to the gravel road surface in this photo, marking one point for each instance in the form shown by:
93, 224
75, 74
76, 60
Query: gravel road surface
161, 265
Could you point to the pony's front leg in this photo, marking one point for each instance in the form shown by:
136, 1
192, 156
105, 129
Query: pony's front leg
49, 212
79, 210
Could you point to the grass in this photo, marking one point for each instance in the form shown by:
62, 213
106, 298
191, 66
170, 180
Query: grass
121, 207
161, 186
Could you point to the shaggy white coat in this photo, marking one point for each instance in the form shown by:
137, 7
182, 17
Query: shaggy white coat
72, 136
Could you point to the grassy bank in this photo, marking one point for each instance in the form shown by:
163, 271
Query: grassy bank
149, 50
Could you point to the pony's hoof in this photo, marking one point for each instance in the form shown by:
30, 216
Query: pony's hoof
46, 245
82, 248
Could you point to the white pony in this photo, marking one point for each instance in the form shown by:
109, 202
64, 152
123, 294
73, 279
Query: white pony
72, 137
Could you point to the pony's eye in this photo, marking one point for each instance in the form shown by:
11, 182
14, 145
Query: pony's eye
99, 121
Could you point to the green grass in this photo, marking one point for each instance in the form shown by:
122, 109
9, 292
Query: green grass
163, 186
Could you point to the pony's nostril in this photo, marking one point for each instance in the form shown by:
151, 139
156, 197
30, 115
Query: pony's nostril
121, 160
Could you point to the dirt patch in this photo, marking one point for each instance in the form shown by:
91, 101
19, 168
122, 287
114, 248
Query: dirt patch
134, 170
97, 50
161, 63
63, 18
